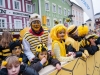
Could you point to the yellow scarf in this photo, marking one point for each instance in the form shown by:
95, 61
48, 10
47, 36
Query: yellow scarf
62, 47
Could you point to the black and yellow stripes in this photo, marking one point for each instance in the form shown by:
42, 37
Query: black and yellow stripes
4, 52
34, 40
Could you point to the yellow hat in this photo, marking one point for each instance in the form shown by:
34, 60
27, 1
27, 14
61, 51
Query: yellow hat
41, 47
92, 36
55, 30
83, 30
72, 29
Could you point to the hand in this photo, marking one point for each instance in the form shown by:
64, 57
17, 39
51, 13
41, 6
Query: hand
71, 54
31, 59
51, 52
58, 66
43, 60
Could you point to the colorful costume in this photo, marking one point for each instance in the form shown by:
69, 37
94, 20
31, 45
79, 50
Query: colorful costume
58, 45
35, 36
18, 52
36, 63
73, 44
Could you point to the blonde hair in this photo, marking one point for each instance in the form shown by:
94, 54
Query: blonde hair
6, 38
56, 29
12, 60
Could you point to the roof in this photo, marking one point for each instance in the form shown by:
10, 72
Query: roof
97, 15
76, 5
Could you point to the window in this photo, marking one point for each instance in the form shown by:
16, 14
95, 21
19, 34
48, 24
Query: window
68, 12
2, 3
63, 1
54, 8
54, 22
47, 7
34, 7
48, 22
59, 9
18, 24
65, 12
28, 8
73, 12
17, 5
90, 25
28, 24
60, 21
2, 22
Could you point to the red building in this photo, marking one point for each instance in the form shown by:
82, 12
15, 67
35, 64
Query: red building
14, 14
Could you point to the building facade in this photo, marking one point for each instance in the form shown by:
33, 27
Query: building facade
93, 26
51, 10
77, 11
14, 14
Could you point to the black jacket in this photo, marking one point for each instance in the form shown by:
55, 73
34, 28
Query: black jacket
38, 66
24, 57
78, 53
24, 70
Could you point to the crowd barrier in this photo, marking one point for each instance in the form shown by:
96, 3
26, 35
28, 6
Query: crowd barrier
79, 66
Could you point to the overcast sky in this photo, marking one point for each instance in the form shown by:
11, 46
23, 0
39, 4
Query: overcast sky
96, 6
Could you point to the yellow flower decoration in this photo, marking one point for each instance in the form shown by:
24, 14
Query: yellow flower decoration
38, 48
4, 63
20, 39
20, 59
14, 39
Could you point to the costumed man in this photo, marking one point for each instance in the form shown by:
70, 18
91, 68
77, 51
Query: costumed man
73, 45
35, 36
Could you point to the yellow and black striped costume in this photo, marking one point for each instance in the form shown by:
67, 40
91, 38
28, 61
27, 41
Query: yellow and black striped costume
4, 52
34, 40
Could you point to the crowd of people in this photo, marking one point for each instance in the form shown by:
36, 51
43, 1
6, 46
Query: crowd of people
39, 48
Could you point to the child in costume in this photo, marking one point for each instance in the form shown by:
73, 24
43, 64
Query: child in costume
16, 49
6, 38
59, 34
73, 45
86, 43
43, 59
92, 46
12, 66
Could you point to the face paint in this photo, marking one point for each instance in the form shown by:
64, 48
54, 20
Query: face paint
36, 25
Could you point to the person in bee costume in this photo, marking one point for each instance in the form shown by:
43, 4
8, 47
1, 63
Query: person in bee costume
92, 45
43, 59
16, 49
73, 45
58, 34
36, 35
87, 43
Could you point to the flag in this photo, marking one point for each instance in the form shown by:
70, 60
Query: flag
87, 6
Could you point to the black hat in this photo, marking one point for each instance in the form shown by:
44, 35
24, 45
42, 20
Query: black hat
13, 44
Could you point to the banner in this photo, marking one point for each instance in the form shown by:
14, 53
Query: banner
87, 6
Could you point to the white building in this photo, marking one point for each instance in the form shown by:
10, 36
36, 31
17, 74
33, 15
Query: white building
77, 11
97, 22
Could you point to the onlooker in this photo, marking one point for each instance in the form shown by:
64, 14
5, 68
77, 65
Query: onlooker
12, 66
58, 34
43, 59
35, 36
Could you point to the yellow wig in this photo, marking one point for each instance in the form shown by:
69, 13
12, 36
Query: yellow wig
83, 30
56, 29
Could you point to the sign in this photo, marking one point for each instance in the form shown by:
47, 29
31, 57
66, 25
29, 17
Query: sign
2, 11
12, 12
88, 8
